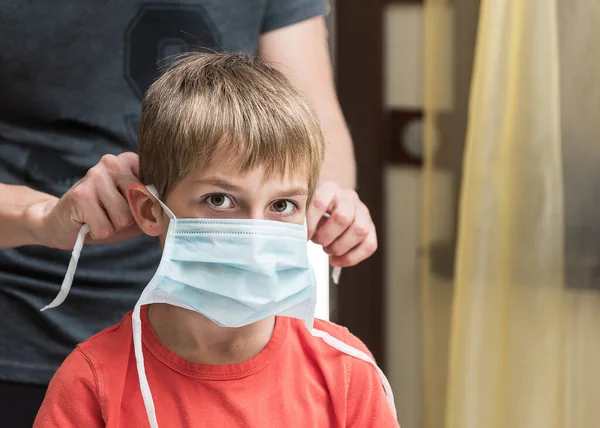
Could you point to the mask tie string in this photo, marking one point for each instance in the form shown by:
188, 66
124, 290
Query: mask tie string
68, 279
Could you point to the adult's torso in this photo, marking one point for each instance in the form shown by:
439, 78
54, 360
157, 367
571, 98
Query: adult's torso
72, 75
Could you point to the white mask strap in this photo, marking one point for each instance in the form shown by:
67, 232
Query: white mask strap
68, 280
335, 274
139, 361
166, 209
347, 349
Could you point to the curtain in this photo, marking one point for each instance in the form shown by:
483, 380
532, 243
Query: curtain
511, 298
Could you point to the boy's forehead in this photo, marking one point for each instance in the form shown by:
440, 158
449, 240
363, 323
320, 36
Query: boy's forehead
228, 169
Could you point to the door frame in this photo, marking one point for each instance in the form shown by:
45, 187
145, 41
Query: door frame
358, 58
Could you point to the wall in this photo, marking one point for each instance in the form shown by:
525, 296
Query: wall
404, 40
403, 71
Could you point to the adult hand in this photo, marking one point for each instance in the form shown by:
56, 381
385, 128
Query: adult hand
348, 235
96, 200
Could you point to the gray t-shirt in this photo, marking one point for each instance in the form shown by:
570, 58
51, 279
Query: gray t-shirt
72, 75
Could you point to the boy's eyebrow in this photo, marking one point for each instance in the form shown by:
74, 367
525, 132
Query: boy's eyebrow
298, 191
225, 185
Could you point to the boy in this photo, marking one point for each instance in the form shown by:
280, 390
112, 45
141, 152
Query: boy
223, 335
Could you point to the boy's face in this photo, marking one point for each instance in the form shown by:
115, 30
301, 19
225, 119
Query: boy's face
220, 192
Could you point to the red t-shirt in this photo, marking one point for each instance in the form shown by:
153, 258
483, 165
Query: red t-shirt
297, 380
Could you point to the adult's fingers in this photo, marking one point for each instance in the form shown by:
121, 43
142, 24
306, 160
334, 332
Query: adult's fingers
122, 235
321, 202
82, 206
358, 231
132, 161
122, 169
114, 204
342, 213
98, 200
361, 252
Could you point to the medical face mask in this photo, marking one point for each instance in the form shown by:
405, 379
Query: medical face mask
235, 273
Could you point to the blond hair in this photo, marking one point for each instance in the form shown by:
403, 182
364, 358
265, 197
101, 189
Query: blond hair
234, 107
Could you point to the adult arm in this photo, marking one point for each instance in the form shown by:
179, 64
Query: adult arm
29, 217
300, 52
16, 226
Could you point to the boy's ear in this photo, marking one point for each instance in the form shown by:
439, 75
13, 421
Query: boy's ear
145, 209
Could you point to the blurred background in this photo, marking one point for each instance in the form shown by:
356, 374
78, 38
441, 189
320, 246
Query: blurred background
476, 128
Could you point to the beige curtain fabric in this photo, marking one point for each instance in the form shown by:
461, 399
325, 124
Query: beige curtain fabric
511, 335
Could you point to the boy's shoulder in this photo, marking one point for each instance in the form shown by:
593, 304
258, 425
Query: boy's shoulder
115, 341
366, 401
338, 332
331, 328
88, 376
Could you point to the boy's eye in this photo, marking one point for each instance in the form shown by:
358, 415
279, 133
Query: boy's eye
219, 201
283, 207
